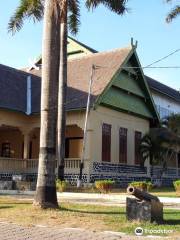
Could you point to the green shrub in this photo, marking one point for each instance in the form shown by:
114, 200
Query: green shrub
144, 186
61, 185
177, 185
104, 186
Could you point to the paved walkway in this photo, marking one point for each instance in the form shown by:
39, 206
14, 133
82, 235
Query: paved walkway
15, 232
92, 198
110, 199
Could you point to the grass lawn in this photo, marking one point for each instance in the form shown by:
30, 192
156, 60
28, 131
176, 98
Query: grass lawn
164, 192
94, 217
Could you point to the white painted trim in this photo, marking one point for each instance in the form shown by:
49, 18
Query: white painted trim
29, 96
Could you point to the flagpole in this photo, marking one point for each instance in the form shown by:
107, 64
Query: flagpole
79, 181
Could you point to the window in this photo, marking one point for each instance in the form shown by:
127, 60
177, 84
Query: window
137, 143
163, 112
106, 142
123, 145
6, 150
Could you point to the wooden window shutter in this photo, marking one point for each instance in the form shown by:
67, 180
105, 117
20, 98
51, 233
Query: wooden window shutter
106, 142
137, 141
123, 145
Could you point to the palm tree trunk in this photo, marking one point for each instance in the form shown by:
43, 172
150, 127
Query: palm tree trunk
46, 189
62, 91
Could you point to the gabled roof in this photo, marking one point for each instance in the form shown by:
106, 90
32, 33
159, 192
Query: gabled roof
128, 90
163, 89
79, 71
86, 48
131, 95
108, 65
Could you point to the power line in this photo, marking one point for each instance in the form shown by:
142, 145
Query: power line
161, 59
164, 67
158, 67
150, 65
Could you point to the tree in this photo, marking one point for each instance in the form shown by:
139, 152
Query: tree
159, 146
175, 12
117, 6
172, 122
34, 8
46, 189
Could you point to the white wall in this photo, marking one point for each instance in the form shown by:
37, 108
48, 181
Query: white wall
116, 119
166, 102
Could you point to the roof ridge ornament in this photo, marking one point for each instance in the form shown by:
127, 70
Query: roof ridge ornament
134, 46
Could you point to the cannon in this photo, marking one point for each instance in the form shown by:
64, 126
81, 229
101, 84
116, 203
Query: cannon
141, 195
144, 207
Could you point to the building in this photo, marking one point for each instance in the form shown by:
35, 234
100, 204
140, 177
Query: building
167, 99
122, 110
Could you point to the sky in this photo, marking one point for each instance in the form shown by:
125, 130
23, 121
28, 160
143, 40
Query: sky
104, 31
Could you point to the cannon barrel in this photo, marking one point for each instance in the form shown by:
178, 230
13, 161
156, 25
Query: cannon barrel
141, 195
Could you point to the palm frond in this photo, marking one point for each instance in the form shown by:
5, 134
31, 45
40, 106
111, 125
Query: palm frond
117, 6
173, 123
173, 14
73, 16
26, 8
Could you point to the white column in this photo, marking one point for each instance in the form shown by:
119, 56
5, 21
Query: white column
26, 134
26, 145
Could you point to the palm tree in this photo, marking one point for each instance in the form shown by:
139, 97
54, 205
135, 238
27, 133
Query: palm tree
172, 122
46, 190
46, 187
159, 146
71, 20
34, 8
117, 6
175, 12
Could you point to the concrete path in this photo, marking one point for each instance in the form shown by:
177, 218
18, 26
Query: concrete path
10, 231
92, 198
110, 199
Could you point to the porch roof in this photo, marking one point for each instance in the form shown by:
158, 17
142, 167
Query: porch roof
13, 88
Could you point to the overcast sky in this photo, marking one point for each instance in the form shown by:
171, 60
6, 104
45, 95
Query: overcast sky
103, 30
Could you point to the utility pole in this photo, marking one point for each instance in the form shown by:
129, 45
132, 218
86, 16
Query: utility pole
79, 182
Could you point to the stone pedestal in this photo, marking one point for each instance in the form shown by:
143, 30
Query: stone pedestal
144, 210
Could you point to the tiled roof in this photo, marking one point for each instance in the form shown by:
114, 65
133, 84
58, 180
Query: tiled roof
163, 89
13, 88
13, 82
79, 71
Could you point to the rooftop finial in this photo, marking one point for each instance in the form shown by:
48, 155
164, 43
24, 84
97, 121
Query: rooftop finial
132, 43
